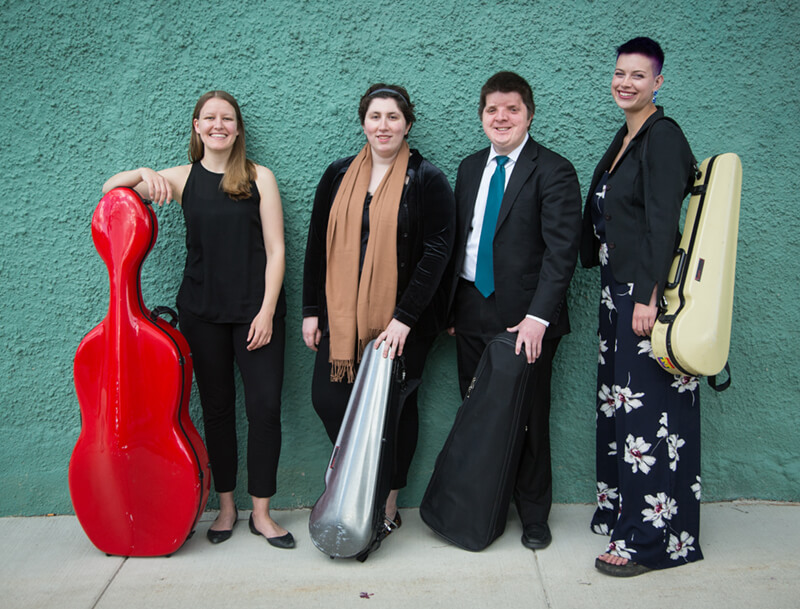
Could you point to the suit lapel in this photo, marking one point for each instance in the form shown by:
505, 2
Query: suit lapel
472, 182
608, 158
523, 168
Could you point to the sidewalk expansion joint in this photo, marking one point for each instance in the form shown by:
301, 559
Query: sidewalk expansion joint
108, 583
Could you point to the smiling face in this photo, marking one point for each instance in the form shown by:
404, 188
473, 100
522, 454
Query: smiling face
505, 120
634, 82
385, 127
217, 125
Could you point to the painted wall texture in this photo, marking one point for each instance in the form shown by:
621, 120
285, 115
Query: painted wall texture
92, 88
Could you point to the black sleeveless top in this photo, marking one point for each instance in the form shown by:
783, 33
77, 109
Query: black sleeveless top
223, 280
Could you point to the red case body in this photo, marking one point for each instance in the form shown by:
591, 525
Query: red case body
138, 477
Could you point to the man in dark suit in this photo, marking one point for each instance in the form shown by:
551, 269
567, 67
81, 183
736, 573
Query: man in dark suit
527, 198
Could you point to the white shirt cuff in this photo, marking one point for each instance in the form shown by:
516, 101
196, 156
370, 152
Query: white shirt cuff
545, 323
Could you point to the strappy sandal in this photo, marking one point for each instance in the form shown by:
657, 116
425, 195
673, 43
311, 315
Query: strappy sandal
390, 525
629, 569
385, 530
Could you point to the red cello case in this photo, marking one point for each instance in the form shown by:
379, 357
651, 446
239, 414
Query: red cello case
138, 477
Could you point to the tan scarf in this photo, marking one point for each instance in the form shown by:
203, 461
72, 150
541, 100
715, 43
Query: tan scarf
359, 310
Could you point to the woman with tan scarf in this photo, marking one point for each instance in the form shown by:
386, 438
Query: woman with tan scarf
380, 239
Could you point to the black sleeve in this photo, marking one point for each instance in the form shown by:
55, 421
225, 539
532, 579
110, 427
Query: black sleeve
437, 206
666, 171
561, 231
314, 268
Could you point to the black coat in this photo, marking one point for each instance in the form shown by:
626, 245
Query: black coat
642, 205
535, 245
425, 228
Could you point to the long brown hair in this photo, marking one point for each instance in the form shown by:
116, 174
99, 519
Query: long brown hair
240, 170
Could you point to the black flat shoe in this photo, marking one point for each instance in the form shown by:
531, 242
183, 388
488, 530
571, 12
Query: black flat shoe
284, 542
629, 569
220, 536
536, 536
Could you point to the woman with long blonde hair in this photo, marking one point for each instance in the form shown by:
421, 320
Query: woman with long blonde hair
231, 302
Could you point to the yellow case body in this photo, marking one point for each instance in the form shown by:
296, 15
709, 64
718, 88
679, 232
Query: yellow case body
692, 336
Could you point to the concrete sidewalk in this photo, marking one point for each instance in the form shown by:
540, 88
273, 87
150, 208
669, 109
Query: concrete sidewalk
752, 559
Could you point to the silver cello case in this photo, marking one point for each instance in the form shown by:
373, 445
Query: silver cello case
346, 519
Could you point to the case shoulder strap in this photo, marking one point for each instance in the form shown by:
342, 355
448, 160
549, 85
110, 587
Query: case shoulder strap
712, 380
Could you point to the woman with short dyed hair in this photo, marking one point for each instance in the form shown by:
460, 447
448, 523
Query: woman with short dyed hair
648, 421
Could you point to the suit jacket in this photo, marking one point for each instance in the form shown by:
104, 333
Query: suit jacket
642, 205
537, 235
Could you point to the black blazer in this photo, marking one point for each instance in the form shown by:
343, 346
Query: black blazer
425, 225
536, 240
642, 205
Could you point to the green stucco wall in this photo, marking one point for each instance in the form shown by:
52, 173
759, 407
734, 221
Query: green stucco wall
91, 88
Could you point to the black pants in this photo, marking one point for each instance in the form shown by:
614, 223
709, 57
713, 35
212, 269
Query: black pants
215, 347
330, 401
476, 323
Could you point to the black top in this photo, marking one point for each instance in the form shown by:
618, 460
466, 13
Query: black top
598, 208
223, 280
364, 232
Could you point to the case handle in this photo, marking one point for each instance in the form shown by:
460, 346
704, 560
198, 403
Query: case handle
160, 311
679, 271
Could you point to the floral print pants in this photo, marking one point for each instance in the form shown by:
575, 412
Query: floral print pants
648, 443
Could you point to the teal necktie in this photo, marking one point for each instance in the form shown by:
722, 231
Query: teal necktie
484, 270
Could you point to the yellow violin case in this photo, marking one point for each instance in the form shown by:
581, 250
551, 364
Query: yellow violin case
692, 335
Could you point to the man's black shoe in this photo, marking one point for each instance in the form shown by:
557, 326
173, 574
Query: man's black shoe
536, 536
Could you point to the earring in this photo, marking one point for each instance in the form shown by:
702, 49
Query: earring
655, 94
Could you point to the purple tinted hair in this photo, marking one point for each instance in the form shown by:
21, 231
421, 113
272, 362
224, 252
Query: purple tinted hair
644, 46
